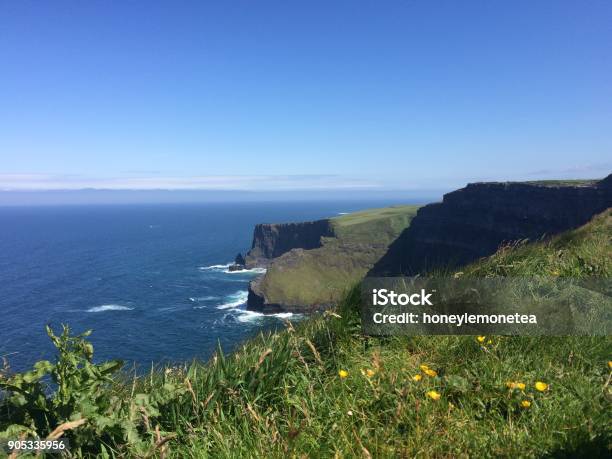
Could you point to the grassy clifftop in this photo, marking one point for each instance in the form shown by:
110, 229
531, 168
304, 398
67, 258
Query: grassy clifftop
302, 278
373, 225
322, 389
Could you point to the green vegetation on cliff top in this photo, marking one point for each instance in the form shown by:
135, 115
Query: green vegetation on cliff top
373, 225
322, 276
322, 389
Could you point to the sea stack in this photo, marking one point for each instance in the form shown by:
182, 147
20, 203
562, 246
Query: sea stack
239, 263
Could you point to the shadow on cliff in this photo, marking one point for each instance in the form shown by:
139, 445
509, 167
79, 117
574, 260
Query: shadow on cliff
472, 222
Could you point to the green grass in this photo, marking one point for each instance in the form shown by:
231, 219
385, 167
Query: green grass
322, 276
583, 252
314, 412
576, 182
280, 395
384, 224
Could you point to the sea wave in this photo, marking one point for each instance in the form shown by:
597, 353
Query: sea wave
235, 299
252, 316
225, 269
235, 305
202, 298
109, 307
246, 271
215, 267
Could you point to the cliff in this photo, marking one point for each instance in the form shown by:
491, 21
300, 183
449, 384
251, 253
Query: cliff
273, 240
322, 260
474, 221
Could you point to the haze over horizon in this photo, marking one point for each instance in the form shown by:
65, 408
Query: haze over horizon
213, 101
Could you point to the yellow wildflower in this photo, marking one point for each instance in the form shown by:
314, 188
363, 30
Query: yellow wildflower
430, 372
490, 341
417, 378
343, 374
525, 403
515, 385
424, 367
370, 373
541, 386
609, 363
432, 394
481, 339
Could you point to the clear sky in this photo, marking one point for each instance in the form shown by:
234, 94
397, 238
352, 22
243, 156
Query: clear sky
309, 95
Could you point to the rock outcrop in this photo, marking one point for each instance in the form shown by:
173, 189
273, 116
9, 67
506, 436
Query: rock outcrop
474, 221
239, 263
273, 240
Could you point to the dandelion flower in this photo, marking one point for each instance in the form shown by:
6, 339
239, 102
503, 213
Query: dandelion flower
481, 339
541, 386
525, 403
430, 372
424, 367
368, 372
609, 363
432, 394
515, 385
417, 378
343, 374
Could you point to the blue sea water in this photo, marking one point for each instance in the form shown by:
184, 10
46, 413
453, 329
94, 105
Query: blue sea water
150, 280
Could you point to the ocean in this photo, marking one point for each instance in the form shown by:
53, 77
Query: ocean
151, 281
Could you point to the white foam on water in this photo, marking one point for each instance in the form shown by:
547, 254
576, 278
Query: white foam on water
215, 267
342, 213
283, 315
246, 271
109, 307
248, 316
235, 299
252, 316
203, 298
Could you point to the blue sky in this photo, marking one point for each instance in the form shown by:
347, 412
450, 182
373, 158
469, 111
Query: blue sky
287, 95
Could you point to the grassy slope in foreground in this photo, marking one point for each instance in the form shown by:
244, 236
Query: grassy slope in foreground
322, 276
380, 410
281, 395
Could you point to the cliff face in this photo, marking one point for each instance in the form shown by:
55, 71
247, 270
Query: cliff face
273, 240
331, 257
474, 221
